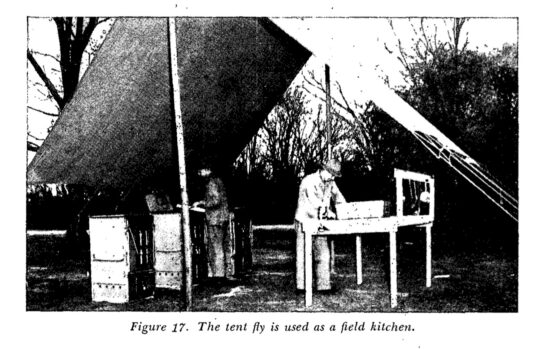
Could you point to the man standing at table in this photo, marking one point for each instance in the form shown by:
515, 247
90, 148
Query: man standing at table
217, 229
317, 193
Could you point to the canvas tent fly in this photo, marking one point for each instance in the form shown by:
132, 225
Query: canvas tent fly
118, 130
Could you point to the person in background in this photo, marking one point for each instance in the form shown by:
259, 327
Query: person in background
158, 201
217, 225
318, 193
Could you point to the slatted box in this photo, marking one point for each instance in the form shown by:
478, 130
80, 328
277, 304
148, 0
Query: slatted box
168, 264
122, 258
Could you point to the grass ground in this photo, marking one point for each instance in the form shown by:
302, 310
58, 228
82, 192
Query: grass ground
477, 281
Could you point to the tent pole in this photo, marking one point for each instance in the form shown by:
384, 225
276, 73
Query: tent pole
328, 111
186, 290
328, 143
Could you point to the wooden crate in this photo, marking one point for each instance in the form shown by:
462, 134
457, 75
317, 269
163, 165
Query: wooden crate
168, 263
168, 260
241, 230
137, 285
168, 249
122, 258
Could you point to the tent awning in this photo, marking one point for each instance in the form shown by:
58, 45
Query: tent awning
118, 130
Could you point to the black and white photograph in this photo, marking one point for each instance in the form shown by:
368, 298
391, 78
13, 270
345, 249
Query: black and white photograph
216, 164
331, 174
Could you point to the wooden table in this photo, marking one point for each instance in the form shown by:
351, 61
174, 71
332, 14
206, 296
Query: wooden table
358, 227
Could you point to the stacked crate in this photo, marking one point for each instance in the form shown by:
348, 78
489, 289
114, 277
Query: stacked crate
168, 246
122, 258
198, 239
242, 237
131, 255
168, 263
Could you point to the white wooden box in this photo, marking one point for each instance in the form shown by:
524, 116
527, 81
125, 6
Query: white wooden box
360, 209
168, 258
122, 259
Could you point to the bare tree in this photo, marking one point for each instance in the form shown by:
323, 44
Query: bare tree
361, 119
75, 35
455, 34
282, 137
293, 139
425, 45
350, 118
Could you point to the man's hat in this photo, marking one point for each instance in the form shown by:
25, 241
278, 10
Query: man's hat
332, 166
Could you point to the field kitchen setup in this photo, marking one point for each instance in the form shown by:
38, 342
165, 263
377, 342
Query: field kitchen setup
165, 96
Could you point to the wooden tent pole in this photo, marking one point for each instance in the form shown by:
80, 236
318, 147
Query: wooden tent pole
186, 290
328, 111
328, 143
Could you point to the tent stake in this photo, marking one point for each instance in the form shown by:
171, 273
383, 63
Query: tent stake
186, 290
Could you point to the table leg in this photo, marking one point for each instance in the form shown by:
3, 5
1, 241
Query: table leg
332, 255
393, 267
358, 240
428, 255
308, 267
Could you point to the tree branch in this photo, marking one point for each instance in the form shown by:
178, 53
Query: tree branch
91, 25
36, 138
78, 27
46, 80
100, 21
46, 55
43, 112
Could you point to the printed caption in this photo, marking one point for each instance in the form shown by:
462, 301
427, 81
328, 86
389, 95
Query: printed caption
259, 327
